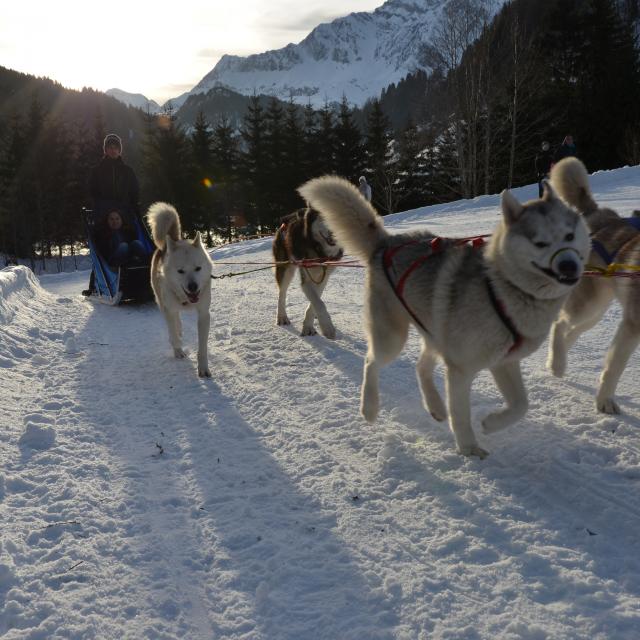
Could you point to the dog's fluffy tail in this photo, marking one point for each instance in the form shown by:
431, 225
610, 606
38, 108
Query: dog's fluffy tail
354, 222
164, 221
570, 179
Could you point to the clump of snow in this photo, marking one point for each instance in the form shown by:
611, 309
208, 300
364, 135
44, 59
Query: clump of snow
38, 436
70, 345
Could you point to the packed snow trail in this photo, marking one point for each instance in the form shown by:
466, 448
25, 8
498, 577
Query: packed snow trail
140, 501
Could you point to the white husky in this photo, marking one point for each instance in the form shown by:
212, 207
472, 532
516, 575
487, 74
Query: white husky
181, 279
474, 308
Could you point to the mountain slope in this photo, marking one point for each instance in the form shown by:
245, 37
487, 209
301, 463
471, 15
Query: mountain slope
356, 56
134, 100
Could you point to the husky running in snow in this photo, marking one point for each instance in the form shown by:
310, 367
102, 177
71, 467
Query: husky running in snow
304, 236
613, 239
474, 308
181, 279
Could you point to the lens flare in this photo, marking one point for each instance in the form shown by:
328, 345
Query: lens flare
207, 183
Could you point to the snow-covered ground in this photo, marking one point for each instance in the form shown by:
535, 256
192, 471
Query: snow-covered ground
139, 501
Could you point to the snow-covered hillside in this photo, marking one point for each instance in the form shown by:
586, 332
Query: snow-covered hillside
139, 501
356, 56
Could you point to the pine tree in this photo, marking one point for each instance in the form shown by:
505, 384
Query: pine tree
292, 165
254, 161
310, 144
411, 171
12, 160
202, 175
30, 196
327, 143
168, 167
349, 149
381, 170
226, 158
277, 183
607, 100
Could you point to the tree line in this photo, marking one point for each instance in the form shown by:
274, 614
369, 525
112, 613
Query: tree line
222, 180
473, 125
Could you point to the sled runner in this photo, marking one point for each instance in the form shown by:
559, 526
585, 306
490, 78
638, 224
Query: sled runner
130, 281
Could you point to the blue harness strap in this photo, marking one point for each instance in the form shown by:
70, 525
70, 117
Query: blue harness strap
634, 221
601, 250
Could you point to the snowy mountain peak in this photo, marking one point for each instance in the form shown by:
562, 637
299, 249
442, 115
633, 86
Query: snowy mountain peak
356, 56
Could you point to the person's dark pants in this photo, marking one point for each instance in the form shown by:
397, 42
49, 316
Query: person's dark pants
540, 187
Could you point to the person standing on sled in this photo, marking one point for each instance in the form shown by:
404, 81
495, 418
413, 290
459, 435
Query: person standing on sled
113, 186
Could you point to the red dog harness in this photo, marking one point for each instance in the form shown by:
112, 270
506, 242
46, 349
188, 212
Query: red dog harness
432, 247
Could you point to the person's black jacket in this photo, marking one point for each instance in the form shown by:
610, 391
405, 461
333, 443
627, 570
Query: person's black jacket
113, 185
564, 151
543, 163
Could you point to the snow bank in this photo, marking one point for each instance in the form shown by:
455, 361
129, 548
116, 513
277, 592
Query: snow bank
17, 285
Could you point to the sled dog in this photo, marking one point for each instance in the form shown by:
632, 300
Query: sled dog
304, 236
181, 279
613, 239
475, 308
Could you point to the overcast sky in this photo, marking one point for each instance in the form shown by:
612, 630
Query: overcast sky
160, 49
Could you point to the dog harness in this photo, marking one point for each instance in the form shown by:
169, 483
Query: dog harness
601, 250
432, 247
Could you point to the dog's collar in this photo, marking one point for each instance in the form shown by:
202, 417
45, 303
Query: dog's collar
500, 309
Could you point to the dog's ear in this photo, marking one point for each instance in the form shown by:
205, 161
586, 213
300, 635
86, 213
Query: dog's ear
171, 244
548, 193
197, 241
511, 208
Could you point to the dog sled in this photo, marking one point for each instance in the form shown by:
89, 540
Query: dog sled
128, 283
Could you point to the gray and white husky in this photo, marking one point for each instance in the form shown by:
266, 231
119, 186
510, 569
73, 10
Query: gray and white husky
614, 239
474, 308
303, 235
181, 279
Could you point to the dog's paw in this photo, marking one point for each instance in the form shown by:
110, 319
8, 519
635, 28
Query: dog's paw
204, 373
608, 405
329, 332
473, 450
369, 414
308, 331
436, 408
283, 321
179, 353
557, 364
369, 410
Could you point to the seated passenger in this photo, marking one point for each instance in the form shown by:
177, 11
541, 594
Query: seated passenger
117, 241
